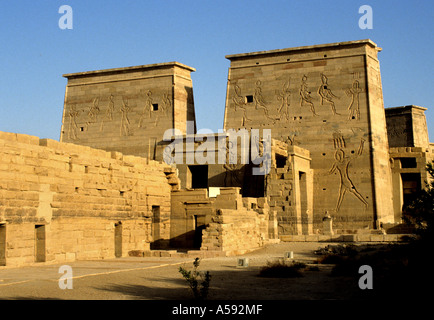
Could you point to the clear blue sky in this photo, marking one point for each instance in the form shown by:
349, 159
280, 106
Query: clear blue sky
35, 52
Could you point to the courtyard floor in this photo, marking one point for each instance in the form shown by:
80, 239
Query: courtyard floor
158, 278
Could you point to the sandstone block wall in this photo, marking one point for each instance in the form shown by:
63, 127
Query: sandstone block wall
236, 231
326, 99
406, 127
60, 201
191, 211
128, 109
227, 222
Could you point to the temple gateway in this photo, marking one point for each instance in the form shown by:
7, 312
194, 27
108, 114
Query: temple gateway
307, 152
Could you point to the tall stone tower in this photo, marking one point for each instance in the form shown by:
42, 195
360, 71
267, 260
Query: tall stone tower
328, 100
128, 109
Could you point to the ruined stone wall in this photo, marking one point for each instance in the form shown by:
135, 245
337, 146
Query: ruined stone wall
289, 189
326, 99
227, 222
237, 224
128, 109
191, 210
236, 231
77, 195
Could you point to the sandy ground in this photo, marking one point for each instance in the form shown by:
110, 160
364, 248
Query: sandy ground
159, 279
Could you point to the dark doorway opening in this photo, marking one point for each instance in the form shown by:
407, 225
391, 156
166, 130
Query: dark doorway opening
155, 227
411, 187
303, 202
39, 243
253, 185
199, 226
118, 239
2, 244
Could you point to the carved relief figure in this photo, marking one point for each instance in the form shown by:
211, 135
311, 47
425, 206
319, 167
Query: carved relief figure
341, 165
354, 107
165, 106
109, 113
259, 100
72, 129
284, 96
305, 97
125, 122
240, 102
147, 108
93, 112
290, 140
326, 94
168, 154
110, 108
166, 102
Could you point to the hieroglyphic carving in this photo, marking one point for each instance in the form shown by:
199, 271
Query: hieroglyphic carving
165, 106
110, 108
284, 96
72, 129
341, 165
168, 154
167, 102
109, 112
240, 102
93, 112
354, 107
305, 97
326, 94
125, 121
147, 108
290, 140
259, 100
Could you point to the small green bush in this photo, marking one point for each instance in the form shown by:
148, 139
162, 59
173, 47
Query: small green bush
313, 268
198, 281
281, 269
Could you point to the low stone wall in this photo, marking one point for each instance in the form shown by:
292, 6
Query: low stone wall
236, 231
60, 201
345, 238
222, 225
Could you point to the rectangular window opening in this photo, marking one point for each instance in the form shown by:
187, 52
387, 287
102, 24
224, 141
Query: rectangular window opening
408, 162
280, 161
199, 176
